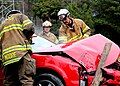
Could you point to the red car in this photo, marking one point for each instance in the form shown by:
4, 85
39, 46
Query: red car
75, 63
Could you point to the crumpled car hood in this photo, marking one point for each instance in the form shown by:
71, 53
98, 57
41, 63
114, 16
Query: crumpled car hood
88, 51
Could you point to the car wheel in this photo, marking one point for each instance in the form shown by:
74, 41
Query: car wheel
48, 80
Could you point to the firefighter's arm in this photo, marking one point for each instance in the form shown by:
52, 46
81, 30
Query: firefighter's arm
27, 23
86, 30
28, 27
56, 40
62, 36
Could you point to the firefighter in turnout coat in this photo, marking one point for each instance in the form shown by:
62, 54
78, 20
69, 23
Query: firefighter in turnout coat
46, 32
19, 67
71, 29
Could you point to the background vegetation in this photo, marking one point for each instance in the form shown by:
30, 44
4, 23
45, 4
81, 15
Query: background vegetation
101, 15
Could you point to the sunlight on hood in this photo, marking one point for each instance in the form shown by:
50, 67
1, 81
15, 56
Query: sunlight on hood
39, 43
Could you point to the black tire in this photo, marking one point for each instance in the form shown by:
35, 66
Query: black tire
48, 80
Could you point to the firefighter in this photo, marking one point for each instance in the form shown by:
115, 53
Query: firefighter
46, 32
19, 67
71, 29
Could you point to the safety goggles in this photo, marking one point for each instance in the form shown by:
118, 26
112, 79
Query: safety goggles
62, 17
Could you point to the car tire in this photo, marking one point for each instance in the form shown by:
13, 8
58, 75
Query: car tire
48, 80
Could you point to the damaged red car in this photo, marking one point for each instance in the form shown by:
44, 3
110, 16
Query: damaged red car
75, 63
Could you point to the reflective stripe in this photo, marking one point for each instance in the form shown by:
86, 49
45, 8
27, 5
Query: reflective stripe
11, 61
63, 39
26, 22
85, 36
75, 38
15, 48
85, 29
9, 54
11, 27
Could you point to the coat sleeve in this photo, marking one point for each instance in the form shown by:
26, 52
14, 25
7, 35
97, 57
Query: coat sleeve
85, 30
55, 39
27, 23
62, 35
28, 28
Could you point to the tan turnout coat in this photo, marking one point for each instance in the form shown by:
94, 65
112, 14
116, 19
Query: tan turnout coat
13, 41
49, 36
80, 28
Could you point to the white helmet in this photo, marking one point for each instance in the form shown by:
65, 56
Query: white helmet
47, 24
63, 12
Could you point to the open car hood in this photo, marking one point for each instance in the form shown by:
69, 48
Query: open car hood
88, 51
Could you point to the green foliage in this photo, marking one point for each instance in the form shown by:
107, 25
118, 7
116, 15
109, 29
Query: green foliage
83, 11
49, 7
77, 9
93, 12
108, 13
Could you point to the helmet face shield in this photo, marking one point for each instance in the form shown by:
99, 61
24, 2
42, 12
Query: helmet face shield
62, 17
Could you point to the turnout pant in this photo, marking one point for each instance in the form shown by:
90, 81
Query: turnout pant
20, 73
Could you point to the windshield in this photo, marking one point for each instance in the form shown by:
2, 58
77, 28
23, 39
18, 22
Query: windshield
39, 43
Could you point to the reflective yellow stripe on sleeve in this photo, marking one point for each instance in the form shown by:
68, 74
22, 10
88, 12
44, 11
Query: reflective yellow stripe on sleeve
75, 38
85, 29
26, 22
13, 25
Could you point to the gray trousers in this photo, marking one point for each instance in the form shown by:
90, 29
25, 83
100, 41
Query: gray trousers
20, 73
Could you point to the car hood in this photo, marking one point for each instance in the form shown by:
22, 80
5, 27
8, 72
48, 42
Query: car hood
88, 51
39, 43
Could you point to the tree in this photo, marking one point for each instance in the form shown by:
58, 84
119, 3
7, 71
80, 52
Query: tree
108, 13
107, 16
77, 8
82, 10
46, 7
103, 14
